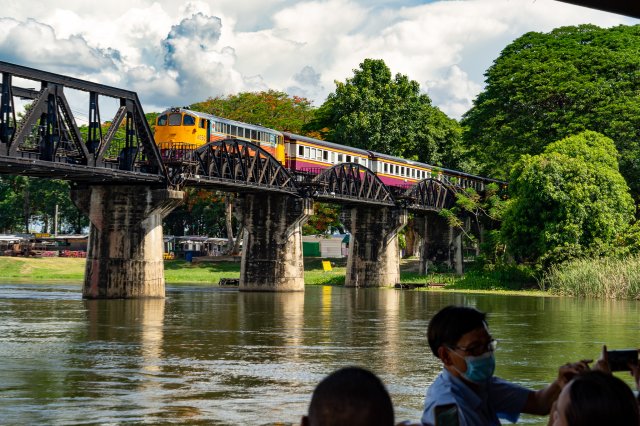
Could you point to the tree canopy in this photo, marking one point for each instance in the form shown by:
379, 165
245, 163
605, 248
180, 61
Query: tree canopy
565, 203
273, 109
389, 115
544, 87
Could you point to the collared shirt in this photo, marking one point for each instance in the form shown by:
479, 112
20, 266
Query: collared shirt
496, 399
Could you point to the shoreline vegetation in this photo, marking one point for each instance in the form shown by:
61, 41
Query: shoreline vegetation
598, 278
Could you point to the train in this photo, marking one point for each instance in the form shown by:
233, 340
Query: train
180, 130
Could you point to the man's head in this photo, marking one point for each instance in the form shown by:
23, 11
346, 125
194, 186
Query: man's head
459, 336
447, 327
350, 396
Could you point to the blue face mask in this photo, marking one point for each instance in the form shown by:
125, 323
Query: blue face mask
479, 368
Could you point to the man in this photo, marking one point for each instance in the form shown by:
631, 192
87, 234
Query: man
350, 396
466, 393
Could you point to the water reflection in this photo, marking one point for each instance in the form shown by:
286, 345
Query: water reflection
224, 357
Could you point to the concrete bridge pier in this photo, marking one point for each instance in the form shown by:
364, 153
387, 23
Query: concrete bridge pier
272, 245
125, 250
441, 243
374, 256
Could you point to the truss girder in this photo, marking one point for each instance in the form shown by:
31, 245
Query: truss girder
430, 194
352, 182
48, 132
241, 165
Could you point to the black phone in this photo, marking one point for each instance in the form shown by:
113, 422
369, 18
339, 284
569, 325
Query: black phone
447, 415
619, 360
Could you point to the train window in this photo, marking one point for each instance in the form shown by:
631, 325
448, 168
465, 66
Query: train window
348, 159
325, 155
306, 152
339, 158
175, 119
385, 167
162, 120
397, 169
272, 139
189, 120
312, 153
402, 171
333, 157
300, 150
254, 134
356, 160
319, 155
202, 123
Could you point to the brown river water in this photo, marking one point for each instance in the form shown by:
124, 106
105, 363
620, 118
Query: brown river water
206, 355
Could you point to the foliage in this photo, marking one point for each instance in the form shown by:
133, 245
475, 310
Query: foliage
564, 207
273, 109
544, 87
325, 218
202, 213
484, 211
24, 200
607, 277
376, 112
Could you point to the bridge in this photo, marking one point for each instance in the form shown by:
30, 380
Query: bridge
120, 181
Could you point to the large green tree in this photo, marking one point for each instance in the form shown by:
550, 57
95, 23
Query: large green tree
273, 109
569, 201
373, 110
544, 87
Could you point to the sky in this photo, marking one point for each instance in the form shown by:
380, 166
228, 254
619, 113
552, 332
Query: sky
176, 52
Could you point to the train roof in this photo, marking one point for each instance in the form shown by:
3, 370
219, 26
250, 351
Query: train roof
222, 120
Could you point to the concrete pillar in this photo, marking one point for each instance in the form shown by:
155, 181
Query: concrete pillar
441, 243
374, 256
125, 251
272, 244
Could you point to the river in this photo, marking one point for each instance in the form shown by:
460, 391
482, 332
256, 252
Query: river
216, 356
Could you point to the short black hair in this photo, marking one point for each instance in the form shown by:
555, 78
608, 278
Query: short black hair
351, 396
597, 398
451, 323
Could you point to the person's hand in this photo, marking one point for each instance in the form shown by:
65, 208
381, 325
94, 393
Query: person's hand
570, 370
602, 364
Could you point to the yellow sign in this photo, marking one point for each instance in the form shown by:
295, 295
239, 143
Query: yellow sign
326, 265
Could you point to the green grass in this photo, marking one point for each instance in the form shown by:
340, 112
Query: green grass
45, 269
608, 278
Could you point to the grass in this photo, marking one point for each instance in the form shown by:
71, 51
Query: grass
33, 270
608, 278
45, 269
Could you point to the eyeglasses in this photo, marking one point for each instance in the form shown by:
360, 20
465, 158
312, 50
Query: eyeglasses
477, 350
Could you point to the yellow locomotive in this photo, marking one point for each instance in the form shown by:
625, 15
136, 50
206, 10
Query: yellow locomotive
181, 130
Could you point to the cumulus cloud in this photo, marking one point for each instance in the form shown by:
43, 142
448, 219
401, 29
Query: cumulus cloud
36, 44
177, 53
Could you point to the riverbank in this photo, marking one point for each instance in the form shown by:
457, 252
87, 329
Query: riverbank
177, 272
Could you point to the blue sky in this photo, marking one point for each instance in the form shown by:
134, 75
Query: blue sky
179, 52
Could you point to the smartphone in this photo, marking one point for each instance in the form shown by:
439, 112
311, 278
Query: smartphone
620, 360
447, 415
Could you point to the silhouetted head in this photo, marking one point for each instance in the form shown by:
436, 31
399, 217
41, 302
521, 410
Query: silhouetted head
350, 396
450, 324
594, 399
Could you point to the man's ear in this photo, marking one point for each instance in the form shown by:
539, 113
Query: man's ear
304, 421
444, 355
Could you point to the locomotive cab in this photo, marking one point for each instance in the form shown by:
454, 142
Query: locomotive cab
178, 132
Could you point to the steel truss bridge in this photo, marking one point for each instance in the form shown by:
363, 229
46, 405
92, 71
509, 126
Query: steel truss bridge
47, 141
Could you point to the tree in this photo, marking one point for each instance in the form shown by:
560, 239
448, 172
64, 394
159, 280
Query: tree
326, 217
389, 115
568, 202
273, 109
545, 87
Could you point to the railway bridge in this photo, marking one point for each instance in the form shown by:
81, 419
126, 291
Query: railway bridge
120, 181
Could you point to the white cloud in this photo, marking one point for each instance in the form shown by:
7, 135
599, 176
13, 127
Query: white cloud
176, 53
